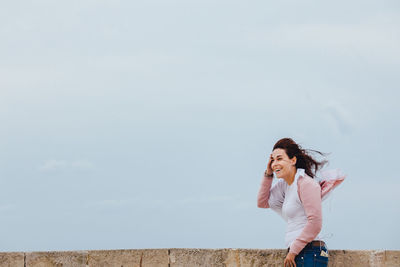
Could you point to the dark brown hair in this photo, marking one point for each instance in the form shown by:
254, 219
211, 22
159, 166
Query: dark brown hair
304, 159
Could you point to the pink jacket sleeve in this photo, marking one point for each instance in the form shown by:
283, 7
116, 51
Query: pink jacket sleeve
264, 192
271, 196
310, 196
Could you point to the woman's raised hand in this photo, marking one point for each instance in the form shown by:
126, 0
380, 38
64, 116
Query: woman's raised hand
268, 171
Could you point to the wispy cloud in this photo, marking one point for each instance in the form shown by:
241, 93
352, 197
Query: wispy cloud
341, 119
208, 199
52, 165
82, 165
108, 203
7, 207
372, 39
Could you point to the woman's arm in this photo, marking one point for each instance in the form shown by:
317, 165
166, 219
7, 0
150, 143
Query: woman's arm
270, 197
310, 196
264, 192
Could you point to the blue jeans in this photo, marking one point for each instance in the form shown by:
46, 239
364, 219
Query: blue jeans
311, 257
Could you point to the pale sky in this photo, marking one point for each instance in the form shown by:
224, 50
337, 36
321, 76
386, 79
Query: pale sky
148, 124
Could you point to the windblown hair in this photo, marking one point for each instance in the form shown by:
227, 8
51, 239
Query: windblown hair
304, 158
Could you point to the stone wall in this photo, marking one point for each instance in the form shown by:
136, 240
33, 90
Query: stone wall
188, 257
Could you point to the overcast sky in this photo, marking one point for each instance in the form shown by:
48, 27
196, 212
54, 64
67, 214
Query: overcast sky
129, 124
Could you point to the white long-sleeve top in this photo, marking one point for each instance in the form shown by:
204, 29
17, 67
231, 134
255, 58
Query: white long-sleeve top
299, 204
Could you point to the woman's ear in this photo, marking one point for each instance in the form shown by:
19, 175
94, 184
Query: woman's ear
294, 160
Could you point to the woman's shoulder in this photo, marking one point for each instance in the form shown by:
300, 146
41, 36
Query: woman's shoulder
306, 181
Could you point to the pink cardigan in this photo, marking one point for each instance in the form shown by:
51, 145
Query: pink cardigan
311, 196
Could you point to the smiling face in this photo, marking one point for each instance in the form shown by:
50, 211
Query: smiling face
281, 164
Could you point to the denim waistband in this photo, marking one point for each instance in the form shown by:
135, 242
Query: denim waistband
312, 246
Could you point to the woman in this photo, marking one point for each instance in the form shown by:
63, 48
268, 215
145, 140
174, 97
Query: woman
297, 198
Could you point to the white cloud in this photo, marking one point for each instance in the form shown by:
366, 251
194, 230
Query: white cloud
53, 165
108, 203
341, 118
82, 165
62, 165
371, 39
207, 199
7, 207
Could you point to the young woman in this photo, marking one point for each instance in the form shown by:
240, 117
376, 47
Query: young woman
297, 198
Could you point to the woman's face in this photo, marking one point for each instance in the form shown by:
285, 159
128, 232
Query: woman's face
281, 165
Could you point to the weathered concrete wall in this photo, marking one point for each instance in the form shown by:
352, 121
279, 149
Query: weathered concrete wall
189, 257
